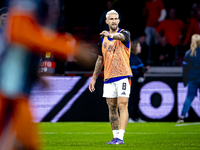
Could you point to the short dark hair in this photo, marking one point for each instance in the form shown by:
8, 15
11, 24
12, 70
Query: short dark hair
134, 47
3, 10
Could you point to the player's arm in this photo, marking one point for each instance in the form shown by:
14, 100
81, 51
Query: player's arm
98, 66
114, 36
23, 28
97, 70
117, 36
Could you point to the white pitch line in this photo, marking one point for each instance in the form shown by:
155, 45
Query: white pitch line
187, 124
145, 133
72, 133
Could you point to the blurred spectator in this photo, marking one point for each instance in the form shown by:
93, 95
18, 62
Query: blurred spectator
192, 29
145, 49
52, 63
195, 9
137, 80
3, 16
172, 28
194, 22
102, 24
61, 25
72, 64
60, 65
164, 53
26, 37
56, 22
155, 11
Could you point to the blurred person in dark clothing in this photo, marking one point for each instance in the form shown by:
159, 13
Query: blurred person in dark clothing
164, 53
102, 20
191, 74
28, 34
3, 17
195, 8
137, 80
144, 49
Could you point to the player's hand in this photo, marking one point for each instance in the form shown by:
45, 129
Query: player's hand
105, 33
91, 85
85, 56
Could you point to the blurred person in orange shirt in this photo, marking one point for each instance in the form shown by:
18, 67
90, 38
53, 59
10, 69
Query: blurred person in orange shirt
193, 22
192, 29
172, 28
27, 34
155, 11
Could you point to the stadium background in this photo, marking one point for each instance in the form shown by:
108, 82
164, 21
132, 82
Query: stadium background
73, 102
87, 13
68, 98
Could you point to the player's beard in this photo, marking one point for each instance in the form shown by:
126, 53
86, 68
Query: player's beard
114, 28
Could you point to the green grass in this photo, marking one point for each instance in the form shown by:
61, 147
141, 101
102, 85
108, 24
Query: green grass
138, 136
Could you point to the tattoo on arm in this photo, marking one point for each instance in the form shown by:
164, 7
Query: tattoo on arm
118, 36
98, 67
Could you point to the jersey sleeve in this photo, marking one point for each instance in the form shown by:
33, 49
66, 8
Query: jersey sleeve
100, 46
127, 36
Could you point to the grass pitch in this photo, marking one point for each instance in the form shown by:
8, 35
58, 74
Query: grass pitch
138, 136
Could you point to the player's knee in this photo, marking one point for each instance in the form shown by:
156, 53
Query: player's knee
111, 102
112, 106
122, 105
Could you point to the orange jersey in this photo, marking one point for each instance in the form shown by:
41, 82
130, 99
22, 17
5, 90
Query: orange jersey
192, 29
154, 10
172, 30
116, 58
